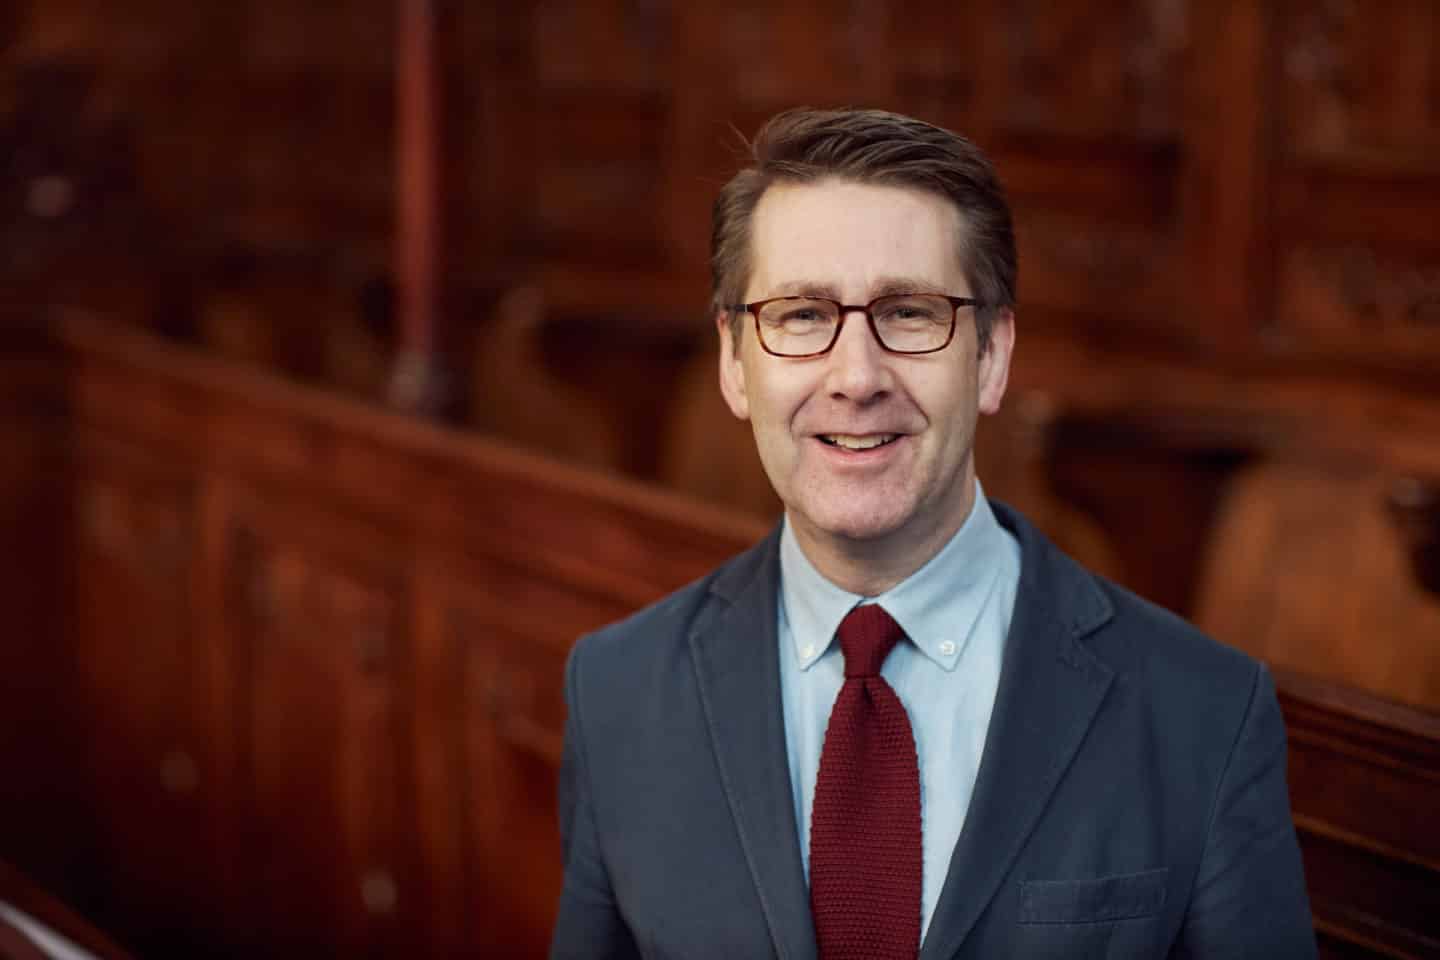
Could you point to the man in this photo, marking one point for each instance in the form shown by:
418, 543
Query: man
905, 724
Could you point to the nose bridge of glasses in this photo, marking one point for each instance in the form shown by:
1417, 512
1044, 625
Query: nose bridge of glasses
870, 342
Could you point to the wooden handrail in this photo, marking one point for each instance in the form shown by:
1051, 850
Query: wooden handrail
23, 894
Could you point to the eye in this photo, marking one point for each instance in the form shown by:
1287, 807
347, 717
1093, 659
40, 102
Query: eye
800, 315
912, 310
906, 311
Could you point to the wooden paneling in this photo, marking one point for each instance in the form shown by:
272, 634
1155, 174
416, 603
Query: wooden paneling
325, 644
511, 732
1374, 304
1227, 157
241, 110
1358, 266
1361, 87
36, 737
1364, 782
134, 650
319, 647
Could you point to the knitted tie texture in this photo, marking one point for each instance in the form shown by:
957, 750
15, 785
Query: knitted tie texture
865, 852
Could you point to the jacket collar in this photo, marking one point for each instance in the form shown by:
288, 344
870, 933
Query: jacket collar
736, 653
1051, 686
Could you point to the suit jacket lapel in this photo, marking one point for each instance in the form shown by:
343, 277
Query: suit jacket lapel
736, 657
1050, 689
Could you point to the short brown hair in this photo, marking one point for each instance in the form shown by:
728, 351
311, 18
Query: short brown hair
871, 146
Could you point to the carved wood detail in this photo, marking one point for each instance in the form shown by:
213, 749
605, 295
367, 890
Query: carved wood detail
1360, 82
1076, 72
1090, 266
1358, 303
1359, 291
1414, 504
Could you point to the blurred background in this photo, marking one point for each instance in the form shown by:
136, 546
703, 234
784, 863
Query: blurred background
353, 360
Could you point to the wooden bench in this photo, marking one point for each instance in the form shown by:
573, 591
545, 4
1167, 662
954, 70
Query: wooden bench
316, 654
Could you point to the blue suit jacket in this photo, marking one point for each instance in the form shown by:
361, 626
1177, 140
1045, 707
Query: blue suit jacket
1131, 799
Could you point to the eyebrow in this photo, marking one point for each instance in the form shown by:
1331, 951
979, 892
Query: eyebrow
806, 288
884, 287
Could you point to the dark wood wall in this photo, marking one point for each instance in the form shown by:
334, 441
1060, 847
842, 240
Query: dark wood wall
1248, 185
1225, 396
262, 124
1239, 194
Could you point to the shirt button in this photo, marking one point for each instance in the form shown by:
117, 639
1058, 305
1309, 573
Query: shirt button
808, 650
947, 649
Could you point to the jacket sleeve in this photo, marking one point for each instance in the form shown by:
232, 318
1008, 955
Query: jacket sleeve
589, 924
1249, 898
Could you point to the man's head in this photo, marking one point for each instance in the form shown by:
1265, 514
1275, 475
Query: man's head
869, 449
871, 146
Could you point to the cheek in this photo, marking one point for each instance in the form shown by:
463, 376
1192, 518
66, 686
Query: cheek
950, 410
942, 393
776, 401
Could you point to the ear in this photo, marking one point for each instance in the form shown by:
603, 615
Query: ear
732, 372
994, 363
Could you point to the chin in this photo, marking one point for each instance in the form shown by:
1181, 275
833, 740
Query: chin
858, 522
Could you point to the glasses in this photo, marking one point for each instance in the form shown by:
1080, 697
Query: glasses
907, 323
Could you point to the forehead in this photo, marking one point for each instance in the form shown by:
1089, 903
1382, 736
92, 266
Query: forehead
851, 237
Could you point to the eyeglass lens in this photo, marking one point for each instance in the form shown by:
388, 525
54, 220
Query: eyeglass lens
908, 323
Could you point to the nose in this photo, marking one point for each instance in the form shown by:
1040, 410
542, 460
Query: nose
859, 368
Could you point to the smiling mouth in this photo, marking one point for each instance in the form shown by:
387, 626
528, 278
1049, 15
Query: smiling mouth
847, 441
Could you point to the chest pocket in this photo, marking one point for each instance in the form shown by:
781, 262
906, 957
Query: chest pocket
1121, 897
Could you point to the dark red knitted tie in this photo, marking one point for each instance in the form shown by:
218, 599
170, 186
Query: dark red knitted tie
865, 853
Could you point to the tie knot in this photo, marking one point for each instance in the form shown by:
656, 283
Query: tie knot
867, 635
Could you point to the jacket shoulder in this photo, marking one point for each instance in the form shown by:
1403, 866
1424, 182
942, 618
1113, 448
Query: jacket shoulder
662, 629
1121, 629
1156, 631
1180, 667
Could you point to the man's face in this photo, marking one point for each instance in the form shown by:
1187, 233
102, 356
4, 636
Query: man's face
853, 242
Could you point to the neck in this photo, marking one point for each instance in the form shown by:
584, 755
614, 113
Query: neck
871, 566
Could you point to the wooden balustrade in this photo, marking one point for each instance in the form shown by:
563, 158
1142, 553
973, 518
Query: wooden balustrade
313, 654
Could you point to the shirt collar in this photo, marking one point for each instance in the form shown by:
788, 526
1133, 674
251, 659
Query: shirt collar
937, 605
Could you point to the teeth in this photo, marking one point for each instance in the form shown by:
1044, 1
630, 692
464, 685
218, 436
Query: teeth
858, 443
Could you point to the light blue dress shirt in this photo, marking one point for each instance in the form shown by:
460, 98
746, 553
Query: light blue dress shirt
956, 611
